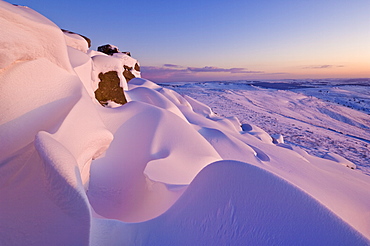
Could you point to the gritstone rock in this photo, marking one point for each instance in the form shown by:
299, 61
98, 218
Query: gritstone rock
109, 89
108, 49
127, 53
127, 73
137, 67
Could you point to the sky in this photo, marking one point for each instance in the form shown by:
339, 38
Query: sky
203, 40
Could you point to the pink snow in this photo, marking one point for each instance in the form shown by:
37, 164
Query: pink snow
162, 169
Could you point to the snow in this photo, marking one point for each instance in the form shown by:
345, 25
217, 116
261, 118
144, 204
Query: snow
42, 198
82, 65
75, 41
155, 98
29, 35
339, 159
274, 212
32, 92
103, 64
317, 121
128, 61
165, 169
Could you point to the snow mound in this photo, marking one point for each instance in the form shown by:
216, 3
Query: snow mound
29, 36
143, 82
339, 159
43, 200
229, 147
76, 41
257, 132
277, 138
153, 97
234, 203
82, 65
32, 92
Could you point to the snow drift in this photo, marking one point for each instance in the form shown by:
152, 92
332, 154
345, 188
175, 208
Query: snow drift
234, 203
162, 169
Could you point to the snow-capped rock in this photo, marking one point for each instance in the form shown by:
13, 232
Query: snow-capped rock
77, 41
111, 73
108, 49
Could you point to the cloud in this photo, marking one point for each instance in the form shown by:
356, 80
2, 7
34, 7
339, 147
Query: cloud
164, 73
169, 72
206, 69
322, 66
220, 70
164, 69
276, 73
172, 65
171, 68
238, 70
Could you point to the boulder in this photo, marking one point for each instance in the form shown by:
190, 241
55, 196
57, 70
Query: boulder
112, 71
109, 89
137, 67
108, 49
127, 53
127, 73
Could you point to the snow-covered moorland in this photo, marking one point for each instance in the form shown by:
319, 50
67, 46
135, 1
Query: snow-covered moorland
320, 116
80, 166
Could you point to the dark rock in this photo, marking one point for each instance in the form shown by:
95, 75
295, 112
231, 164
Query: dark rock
137, 67
127, 73
86, 38
108, 49
109, 89
127, 53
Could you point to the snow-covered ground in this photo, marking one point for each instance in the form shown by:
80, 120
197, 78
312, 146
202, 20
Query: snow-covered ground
318, 116
163, 169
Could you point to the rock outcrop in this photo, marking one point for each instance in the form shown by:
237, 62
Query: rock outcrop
127, 73
108, 49
112, 71
109, 89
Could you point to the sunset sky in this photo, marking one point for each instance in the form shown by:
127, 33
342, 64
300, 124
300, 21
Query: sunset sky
197, 40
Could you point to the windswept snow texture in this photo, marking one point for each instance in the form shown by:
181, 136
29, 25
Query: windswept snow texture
211, 212
318, 116
162, 169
